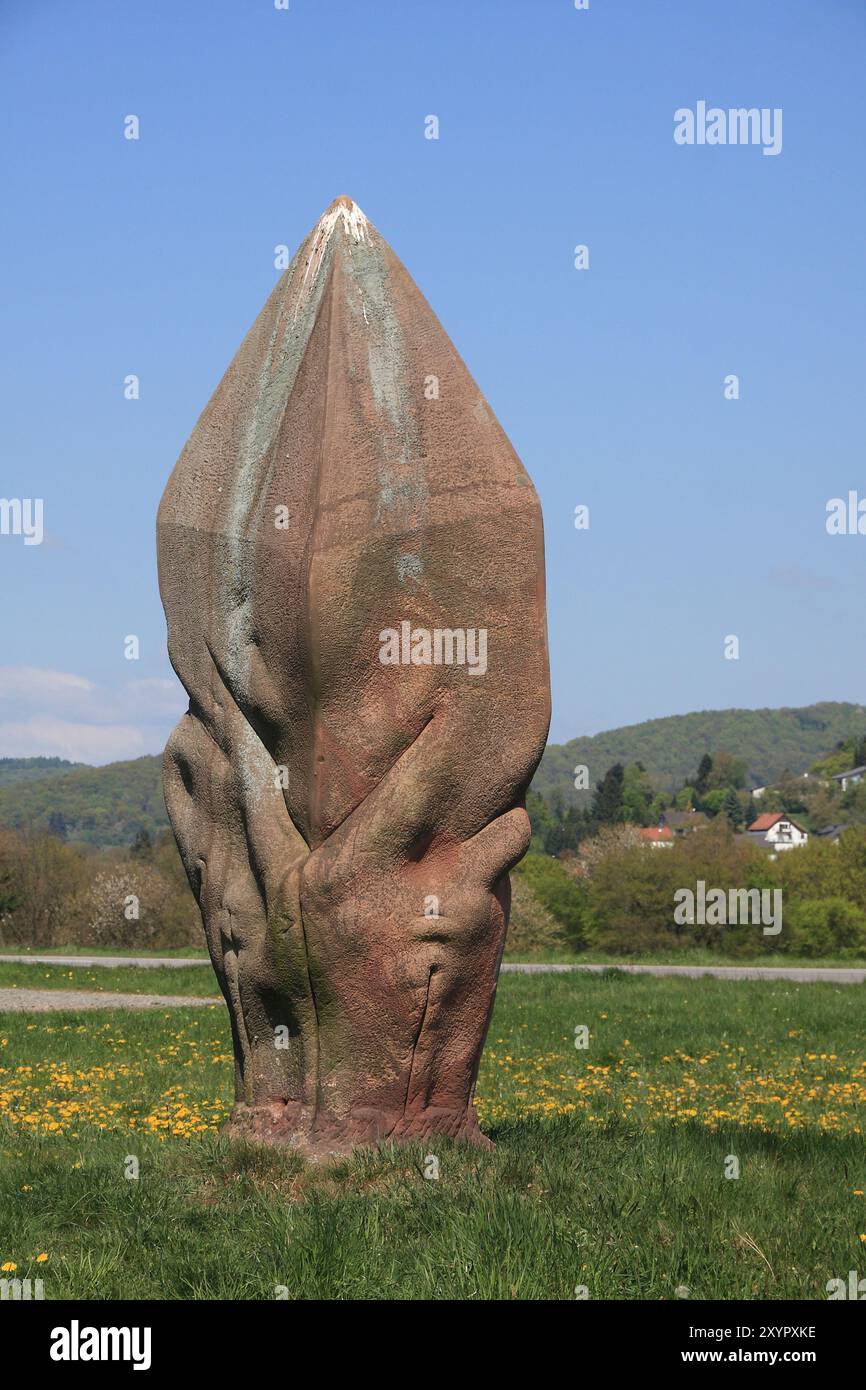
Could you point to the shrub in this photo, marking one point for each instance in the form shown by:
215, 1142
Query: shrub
564, 897
124, 906
632, 892
610, 840
828, 927
40, 873
631, 899
531, 929
821, 869
53, 894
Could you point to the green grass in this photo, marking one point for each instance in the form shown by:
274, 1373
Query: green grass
608, 1171
152, 979
690, 956
698, 955
555, 1206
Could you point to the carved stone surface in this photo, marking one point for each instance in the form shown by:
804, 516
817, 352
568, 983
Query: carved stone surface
351, 563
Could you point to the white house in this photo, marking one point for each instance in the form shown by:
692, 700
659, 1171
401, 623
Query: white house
851, 778
776, 829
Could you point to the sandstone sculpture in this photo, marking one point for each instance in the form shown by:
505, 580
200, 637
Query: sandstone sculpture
351, 563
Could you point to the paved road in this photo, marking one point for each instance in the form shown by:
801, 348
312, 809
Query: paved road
836, 975
110, 962
43, 1001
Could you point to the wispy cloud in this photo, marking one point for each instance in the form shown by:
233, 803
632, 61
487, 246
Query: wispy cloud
45, 713
34, 683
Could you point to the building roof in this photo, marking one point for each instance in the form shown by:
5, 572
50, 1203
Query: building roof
852, 772
768, 819
656, 832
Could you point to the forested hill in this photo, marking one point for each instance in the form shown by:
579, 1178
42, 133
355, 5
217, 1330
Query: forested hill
100, 805
770, 741
15, 769
109, 805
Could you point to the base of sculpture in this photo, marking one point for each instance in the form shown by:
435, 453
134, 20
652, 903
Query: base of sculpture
289, 1125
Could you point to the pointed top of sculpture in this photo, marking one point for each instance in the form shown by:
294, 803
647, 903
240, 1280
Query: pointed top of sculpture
345, 213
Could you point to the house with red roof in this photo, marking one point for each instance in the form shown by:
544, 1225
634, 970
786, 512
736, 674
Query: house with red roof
777, 830
657, 836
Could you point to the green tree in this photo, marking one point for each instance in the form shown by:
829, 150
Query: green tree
712, 802
727, 771
607, 806
637, 795
702, 778
142, 845
554, 828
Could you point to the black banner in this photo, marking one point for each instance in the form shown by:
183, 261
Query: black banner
80, 1338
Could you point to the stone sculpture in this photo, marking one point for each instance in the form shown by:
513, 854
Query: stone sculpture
351, 564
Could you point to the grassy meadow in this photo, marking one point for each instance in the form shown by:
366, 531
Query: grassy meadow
123, 979
608, 1175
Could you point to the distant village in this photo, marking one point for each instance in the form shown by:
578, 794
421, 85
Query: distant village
821, 803
773, 831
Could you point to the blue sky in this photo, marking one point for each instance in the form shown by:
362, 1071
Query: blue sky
707, 516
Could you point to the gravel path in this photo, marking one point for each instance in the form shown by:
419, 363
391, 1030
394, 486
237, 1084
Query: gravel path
144, 962
44, 1001
800, 974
